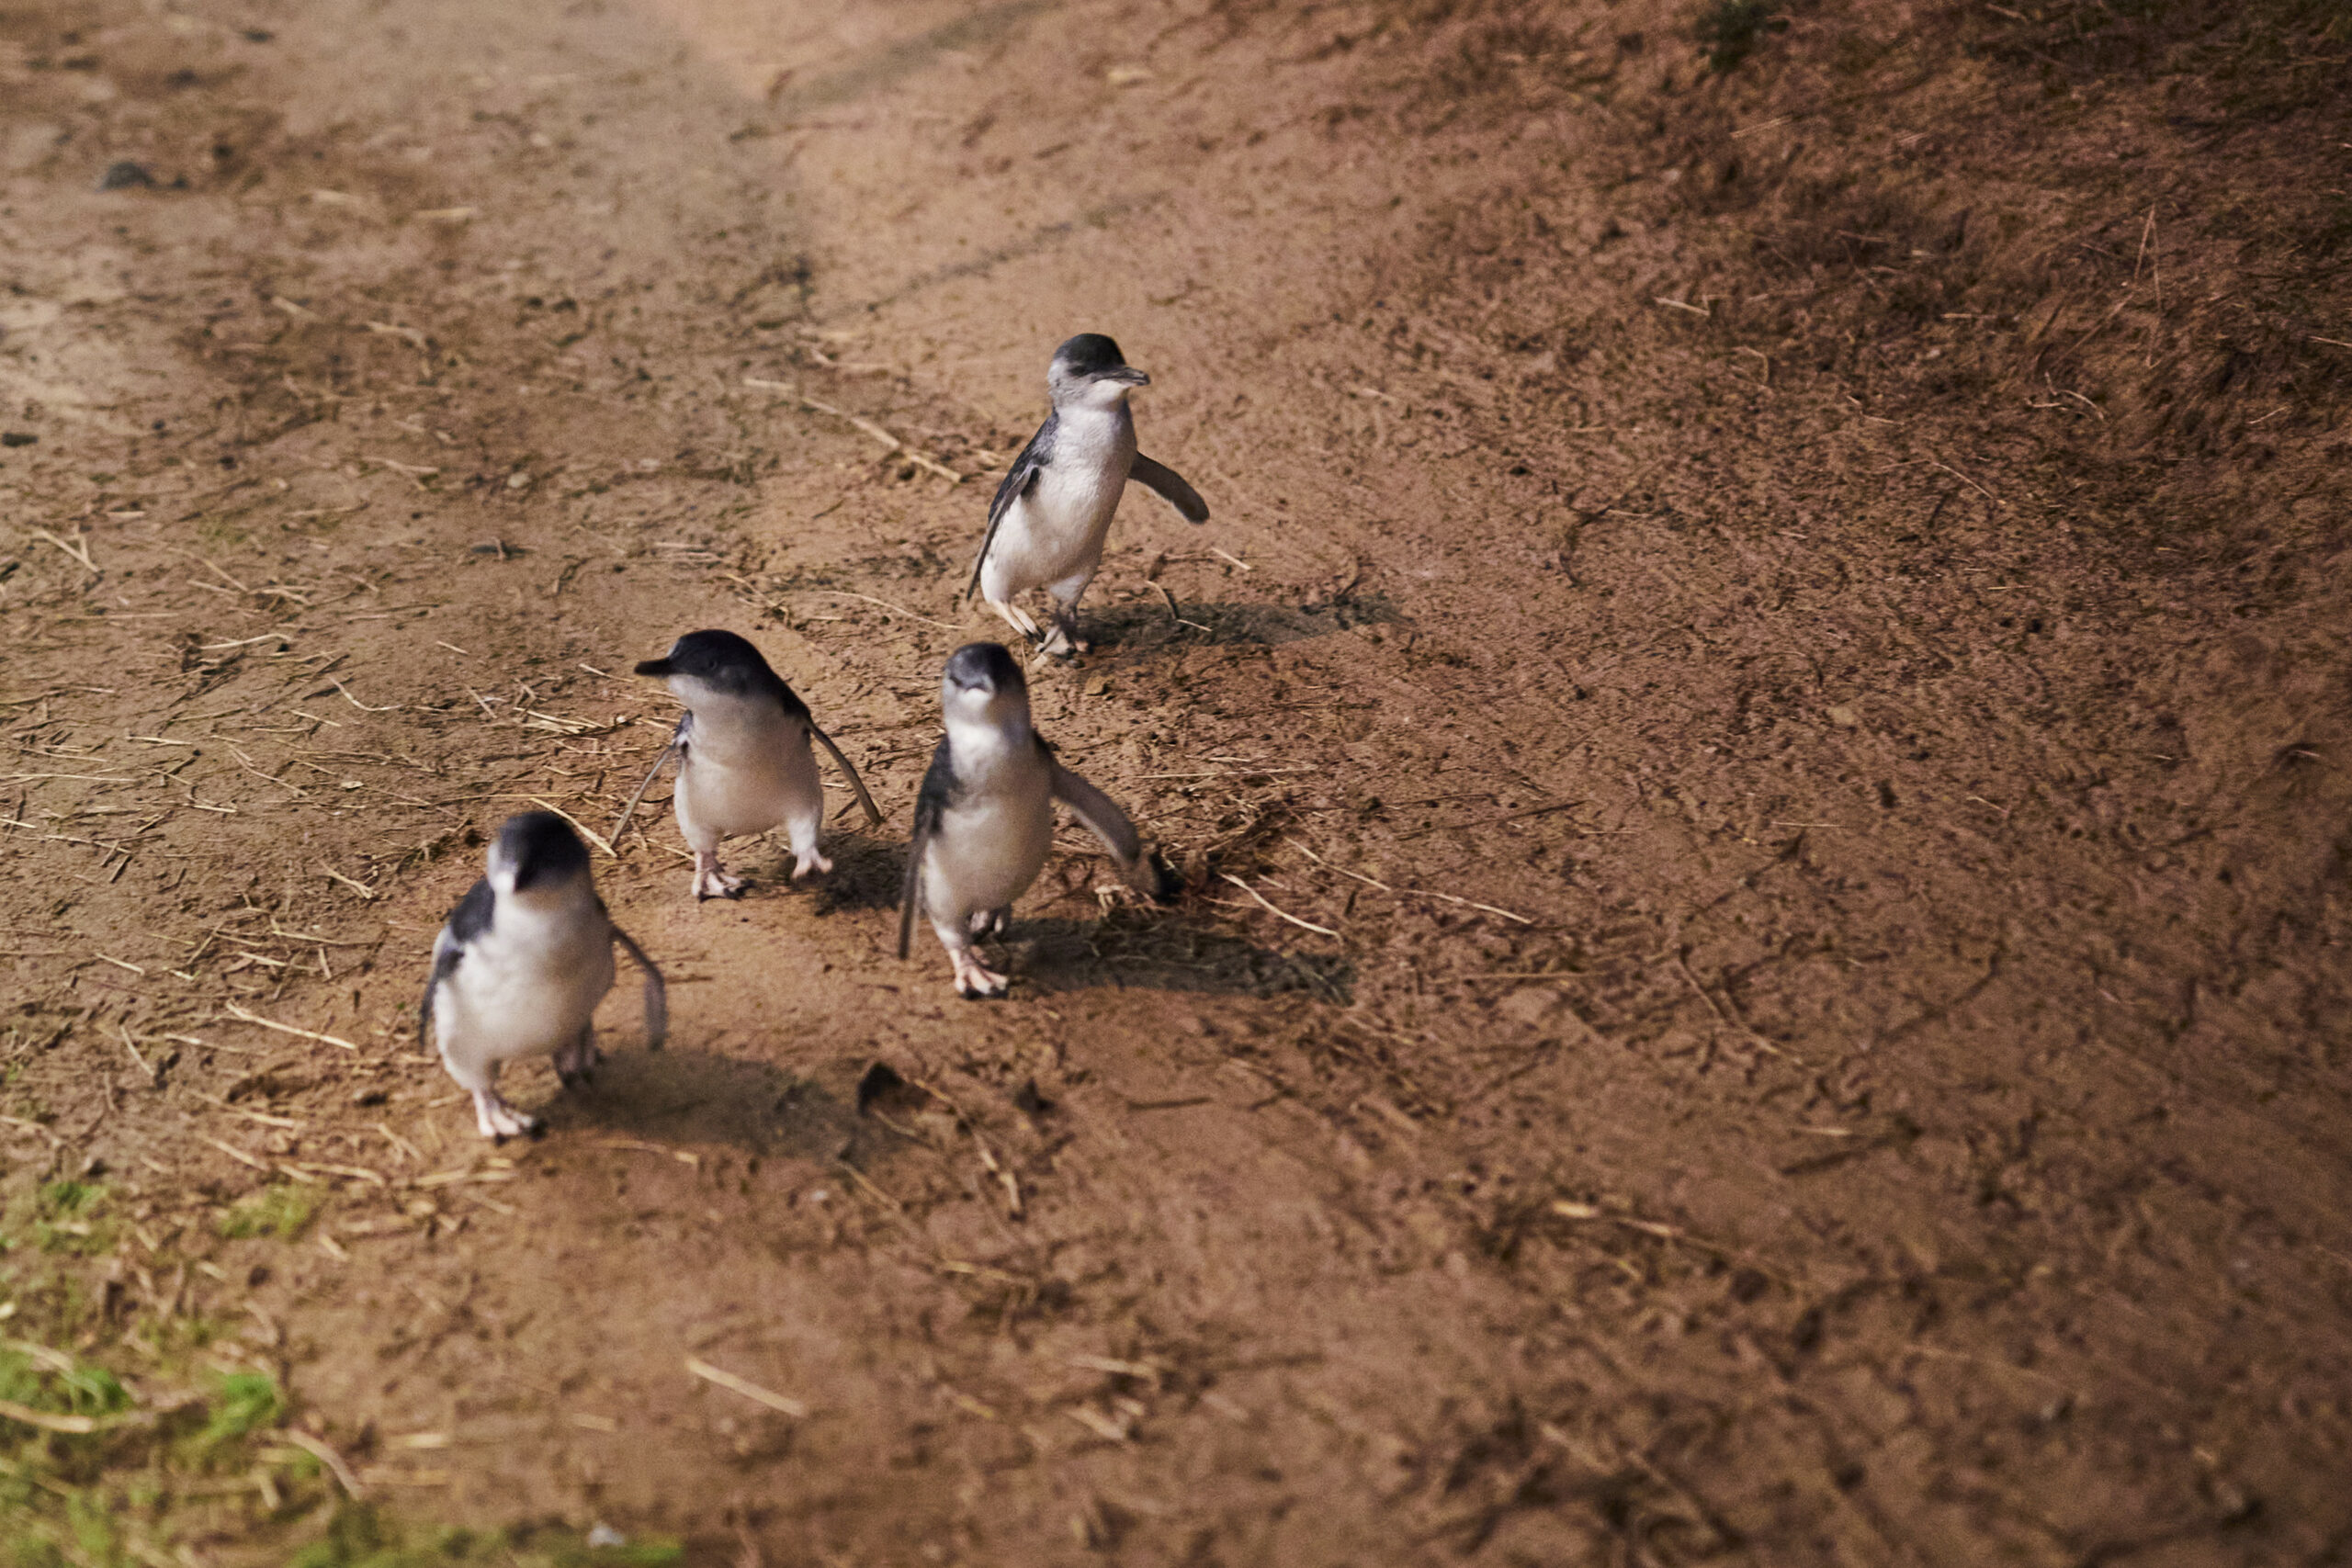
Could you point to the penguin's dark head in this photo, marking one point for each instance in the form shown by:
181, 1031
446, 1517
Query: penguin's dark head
1090, 370
983, 681
536, 851
720, 664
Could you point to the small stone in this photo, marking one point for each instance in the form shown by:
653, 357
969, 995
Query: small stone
125, 175
1844, 717
18, 438
601, 1536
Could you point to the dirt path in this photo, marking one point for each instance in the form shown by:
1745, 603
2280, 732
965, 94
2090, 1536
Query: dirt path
1756, 741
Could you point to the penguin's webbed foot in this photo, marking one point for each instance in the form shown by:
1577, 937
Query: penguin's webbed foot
1159, 882
1064, 642
711, 881
973, 980
805, 864
499, 1121
1019, 619
576, 1065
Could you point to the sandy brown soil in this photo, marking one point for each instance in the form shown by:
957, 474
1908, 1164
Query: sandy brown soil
1777, 639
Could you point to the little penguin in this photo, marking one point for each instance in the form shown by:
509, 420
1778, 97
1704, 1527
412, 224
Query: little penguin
1050, 515
744, 764
520, 967
984, 818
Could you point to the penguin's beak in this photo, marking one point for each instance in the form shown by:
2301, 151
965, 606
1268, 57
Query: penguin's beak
1127, 376
657, 667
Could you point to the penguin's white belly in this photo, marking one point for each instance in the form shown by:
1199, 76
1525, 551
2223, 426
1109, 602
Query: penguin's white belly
522, 996
1055, 533
751, 791
985, 852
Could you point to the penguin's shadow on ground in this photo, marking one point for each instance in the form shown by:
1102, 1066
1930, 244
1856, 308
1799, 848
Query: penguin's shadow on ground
867, 869
1137, 952
697, 1095
1143, 625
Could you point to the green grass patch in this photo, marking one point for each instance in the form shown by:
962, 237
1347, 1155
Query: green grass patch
243, 1402
177, 1454
284, 1212
61, 1216
39, 1379
153, 1468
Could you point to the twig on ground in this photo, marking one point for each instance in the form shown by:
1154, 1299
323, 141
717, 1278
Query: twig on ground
1569, 1210
1732, 1020
889, 441
78, 1425
894, 609
1003, 1173
1260, 898
1937, 463
362, 890
253, 1017
79, 548
1409, 892
154, 1074
355, 702
234, 1153
325, 1456
1171, 611
748, 1390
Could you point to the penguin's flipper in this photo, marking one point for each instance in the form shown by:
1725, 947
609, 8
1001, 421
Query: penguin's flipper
677, 748
657, 992
1016, 483
1102, 817
912, 889
445, 954
1170, 486
470, 920
856, 784
931, 805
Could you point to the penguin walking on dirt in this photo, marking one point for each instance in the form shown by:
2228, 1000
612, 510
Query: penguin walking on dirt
1047, 522
984, 820
520, 967
744, 764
